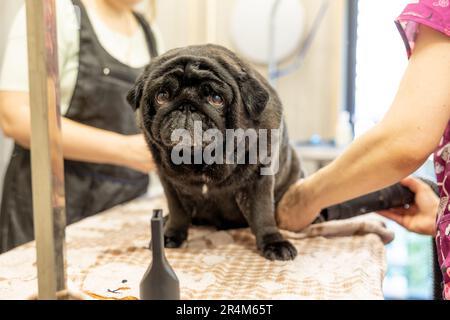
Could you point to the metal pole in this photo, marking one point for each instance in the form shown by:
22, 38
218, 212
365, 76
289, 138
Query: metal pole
350, 73
46, 148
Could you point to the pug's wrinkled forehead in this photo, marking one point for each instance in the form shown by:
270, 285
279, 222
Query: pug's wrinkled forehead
192, 66
217, 59
194, 71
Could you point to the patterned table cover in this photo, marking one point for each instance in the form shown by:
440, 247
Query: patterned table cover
107, 255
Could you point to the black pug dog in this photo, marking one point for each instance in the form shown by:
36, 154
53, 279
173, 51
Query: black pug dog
209, 83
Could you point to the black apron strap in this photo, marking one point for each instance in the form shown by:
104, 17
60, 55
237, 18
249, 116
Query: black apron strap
150, 36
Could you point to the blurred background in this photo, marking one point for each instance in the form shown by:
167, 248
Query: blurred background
336, 65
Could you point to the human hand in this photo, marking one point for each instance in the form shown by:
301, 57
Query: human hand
420, 217
297, 209
135, 153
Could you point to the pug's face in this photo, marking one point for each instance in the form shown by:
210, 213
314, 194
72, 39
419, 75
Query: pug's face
186, 91
199, 84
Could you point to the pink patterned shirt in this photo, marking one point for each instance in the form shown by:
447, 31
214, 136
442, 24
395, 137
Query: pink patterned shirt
434, 14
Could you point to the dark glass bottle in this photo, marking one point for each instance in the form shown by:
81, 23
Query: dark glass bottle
159, 281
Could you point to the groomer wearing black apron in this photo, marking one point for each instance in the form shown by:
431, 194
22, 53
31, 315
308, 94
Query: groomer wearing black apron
98, 101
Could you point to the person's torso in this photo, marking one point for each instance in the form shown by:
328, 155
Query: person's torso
442, 168
131, 50
99, 97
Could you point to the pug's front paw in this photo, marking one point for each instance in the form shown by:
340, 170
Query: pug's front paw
173, 239
280, 250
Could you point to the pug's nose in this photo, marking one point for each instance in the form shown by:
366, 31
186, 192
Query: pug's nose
187, 107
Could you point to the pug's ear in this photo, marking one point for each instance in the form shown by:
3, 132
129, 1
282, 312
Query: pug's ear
254, 96
134, 96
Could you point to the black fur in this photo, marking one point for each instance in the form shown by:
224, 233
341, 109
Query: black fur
237, 195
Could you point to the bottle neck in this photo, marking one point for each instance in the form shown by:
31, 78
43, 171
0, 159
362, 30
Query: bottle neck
157, 241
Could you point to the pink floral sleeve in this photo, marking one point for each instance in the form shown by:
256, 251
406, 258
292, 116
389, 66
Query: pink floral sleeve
432, 13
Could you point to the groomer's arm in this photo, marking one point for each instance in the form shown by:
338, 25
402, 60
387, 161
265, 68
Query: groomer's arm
80, 142
393, 149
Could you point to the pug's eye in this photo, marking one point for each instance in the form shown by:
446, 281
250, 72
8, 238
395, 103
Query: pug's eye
162, 97
215, 100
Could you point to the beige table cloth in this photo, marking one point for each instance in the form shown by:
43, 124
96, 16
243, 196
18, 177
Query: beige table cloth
108, 254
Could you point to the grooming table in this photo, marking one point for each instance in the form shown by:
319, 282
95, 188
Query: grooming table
107, 255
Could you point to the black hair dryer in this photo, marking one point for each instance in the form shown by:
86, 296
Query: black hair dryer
159, 281
394, 196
